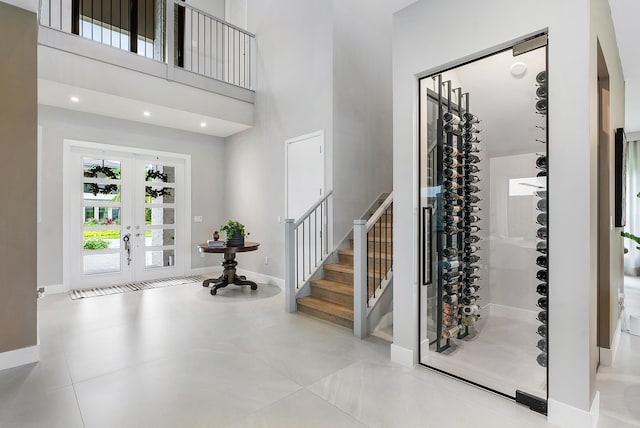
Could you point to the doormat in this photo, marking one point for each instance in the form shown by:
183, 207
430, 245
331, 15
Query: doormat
133, 286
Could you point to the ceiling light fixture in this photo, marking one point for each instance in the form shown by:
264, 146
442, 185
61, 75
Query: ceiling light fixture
146, 113
203, 124
75, 99
518, 69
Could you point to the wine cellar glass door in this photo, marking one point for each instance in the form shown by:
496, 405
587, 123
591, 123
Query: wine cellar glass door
483, 222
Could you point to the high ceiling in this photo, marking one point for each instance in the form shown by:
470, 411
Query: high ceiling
625, 14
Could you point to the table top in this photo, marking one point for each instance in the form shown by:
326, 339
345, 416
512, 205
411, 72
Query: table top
248, 246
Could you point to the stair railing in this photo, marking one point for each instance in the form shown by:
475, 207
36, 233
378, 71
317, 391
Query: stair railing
372, 262
307, 245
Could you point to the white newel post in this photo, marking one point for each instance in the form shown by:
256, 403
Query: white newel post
360, 278
289, 265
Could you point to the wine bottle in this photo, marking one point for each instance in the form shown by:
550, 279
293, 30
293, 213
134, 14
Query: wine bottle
449, 308
542, 359
542, 289
541, 162
542, 345
471, 259
452, 196
541, 233
450, 162
452, 129
542, 275
471, 249
471, 146
541, 91
449, 332
468, 300
542, 303
451, 230
451, 288
471, 188
470, 127
450, 276
541, 193
453, 219
470, 137
472, 159
541, 247
470, 310
453, 209
468, 270
473, 218
541, 205
542, 330
541, 174
541, 261
469, 291
472, 179
471, 239
542, 317
471, 280
472, 229
470, 118
450, 173
449, 150
541, 219
541, 77
449, 320
450, 298
471, 168
450, 251
451, 185
541, 106
469, 320
451, 264
451, 118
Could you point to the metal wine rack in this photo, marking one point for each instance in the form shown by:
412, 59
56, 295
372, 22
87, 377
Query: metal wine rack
456, 241
542, 221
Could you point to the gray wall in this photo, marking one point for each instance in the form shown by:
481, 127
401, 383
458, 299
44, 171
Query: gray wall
207, 176
18, 127
573, 27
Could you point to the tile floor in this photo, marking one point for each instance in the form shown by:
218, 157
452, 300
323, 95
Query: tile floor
179, 357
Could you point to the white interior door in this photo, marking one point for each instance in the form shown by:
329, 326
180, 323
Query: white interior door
305, 172
126, 217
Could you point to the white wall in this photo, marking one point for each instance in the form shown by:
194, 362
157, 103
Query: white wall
572, 150
207, 176
293, 97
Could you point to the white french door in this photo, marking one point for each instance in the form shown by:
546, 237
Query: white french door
126, 217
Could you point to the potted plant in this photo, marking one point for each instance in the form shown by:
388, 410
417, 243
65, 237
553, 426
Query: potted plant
235, 233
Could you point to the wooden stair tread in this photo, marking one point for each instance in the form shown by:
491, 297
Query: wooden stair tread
339, 267
349, 252
328, 307
336, 287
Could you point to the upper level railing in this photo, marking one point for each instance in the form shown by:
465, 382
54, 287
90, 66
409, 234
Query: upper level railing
169, 31
307, 245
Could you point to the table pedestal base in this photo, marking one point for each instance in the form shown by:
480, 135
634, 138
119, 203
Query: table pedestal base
228, 276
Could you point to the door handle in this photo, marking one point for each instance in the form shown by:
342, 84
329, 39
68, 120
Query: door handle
127, 247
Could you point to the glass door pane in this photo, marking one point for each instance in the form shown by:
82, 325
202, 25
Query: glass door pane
483, 219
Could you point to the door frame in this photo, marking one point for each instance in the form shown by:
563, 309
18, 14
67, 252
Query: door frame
67, 178
298, 139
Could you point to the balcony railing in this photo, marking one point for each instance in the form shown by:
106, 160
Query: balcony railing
169, 31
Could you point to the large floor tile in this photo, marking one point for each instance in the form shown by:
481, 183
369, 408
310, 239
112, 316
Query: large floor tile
199, 388
53, 408
299, 409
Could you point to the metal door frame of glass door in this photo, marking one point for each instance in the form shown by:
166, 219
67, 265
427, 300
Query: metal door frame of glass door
165, 195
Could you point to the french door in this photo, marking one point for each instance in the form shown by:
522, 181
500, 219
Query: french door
126, 217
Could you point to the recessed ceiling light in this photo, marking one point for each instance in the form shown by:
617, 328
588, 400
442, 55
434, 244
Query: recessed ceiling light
75, 99
518, 69
146, 113
203, 124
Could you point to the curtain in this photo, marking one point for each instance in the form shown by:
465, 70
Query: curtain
632, 259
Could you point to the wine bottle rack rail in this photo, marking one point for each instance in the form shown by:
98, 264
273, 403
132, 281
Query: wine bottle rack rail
456, 240
542, 222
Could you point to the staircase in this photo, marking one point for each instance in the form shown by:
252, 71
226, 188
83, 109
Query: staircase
331, 297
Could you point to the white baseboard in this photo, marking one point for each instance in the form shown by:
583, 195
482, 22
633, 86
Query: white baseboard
403, 356
19, 357
608, 356
55, 289
567, 416
216, 270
